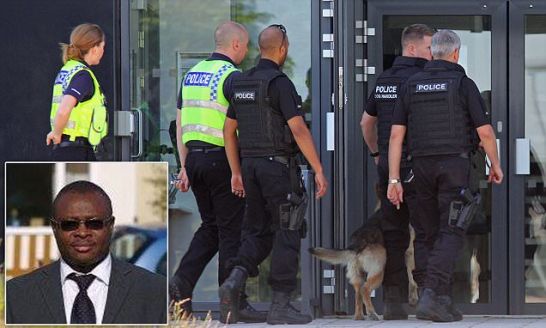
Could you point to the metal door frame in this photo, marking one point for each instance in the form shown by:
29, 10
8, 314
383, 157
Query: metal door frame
123, 152
497, 9
320, 213
518, 9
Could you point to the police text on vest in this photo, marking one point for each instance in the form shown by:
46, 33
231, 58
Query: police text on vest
431, 87
198, 79
244, 95
385, 92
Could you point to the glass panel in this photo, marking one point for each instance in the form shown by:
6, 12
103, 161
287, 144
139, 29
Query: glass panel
169, 37
472, 276
535, 131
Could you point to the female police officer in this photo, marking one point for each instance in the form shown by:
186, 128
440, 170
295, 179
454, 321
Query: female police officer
78, 114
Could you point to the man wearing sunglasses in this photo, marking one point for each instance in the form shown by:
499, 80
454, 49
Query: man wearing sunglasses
267, 112
86, 285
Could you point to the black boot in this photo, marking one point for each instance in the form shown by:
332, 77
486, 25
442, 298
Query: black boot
248, 314
446, 301
180, 305
230, 295
282, 312
393, 308
429, 308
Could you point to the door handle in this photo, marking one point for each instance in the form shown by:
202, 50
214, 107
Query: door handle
330, 131
140, 133
488, 162
523, 156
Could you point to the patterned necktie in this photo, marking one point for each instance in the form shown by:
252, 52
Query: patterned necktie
82, 310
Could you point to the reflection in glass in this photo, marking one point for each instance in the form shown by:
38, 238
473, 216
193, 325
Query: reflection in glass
472, 275
535, 131
166, 39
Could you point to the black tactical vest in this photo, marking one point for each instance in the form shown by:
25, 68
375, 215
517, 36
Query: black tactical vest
387, 91
263, 131
438, 124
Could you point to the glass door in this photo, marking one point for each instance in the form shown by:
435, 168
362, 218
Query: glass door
166, 38
480, 276
527, 239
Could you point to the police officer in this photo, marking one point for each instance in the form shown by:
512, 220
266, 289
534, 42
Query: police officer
202, 104
442, 110
376, 128
267, 112
78, 112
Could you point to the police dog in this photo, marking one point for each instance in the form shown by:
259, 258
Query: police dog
365, 260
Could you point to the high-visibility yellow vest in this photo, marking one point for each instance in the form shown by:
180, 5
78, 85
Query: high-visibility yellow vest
204, 105
88, 118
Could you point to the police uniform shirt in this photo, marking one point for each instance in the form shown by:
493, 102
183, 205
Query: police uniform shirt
226, 89
401, 63
81, 86
468, 91
282, 93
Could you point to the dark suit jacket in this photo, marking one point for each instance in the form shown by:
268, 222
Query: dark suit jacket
134, 296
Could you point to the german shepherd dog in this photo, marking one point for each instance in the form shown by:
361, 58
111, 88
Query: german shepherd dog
365, 259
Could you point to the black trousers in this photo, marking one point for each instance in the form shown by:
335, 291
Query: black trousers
267, 185
78, 153
394, 225
438, 181
221, 215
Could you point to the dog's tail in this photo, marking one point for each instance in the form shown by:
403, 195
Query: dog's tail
333, 256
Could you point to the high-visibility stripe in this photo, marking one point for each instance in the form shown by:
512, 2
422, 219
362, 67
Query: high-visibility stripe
69, 125
203, 116
203, 129
205, 104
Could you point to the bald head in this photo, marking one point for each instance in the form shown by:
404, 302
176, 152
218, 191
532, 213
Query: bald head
231, 39
273, 44
270, 39
227, 32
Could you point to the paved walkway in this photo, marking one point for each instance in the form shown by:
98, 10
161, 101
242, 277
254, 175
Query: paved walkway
469, 321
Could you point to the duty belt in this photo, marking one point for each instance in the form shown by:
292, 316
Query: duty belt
65, 142
464, 155
281, 159
205, 149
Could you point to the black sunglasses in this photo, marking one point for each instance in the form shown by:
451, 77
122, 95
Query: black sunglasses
72, 224
283, 30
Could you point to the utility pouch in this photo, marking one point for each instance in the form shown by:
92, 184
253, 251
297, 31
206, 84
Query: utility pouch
461, 212
284, 215
99, 126
292, 214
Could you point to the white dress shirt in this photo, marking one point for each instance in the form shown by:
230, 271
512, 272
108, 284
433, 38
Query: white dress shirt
97, 291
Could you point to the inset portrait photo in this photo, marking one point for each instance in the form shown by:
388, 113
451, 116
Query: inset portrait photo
86, 243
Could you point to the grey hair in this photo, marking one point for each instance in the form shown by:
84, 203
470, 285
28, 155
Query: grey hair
444, 43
